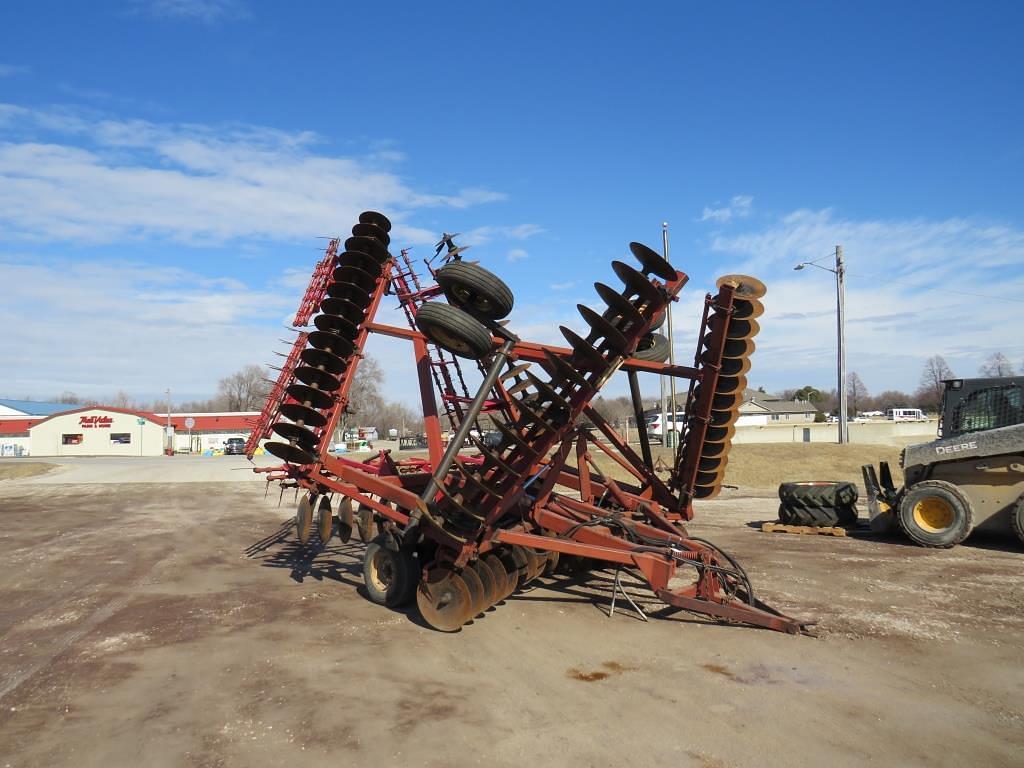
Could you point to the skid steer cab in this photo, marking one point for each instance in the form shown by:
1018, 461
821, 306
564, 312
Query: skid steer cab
970, 478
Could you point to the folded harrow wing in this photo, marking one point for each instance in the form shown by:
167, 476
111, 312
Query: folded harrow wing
460, 531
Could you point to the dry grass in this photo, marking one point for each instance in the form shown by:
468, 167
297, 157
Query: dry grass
763, 466
17, 470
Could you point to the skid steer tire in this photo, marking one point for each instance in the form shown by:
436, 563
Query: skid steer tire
1017, 518
818, 493
818, 517
935, 513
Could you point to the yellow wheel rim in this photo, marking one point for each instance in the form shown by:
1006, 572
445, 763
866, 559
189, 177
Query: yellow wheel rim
934, 514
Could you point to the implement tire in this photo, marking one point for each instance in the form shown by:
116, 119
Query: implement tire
653, 348
474, 289
1017, 518
935, 513
389, 575
454, 330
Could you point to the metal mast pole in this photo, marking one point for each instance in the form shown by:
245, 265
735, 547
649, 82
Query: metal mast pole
844, 433
671, 347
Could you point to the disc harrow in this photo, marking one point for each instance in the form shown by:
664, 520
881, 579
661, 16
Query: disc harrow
462, 530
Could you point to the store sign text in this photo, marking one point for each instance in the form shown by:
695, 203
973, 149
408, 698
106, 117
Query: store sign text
99, 422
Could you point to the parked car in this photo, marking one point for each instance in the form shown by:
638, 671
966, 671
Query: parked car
234, 446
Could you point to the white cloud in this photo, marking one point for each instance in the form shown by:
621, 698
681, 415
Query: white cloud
483, 235
207, 11
517, 254
739, 207
9, 70
96, 327
102, 180
915, 288
562, 286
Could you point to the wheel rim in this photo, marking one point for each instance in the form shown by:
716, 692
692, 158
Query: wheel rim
449, 341
934, 515
467, 297
382, 570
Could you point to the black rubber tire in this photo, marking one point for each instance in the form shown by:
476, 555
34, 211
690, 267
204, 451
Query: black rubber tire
396, 568
951, 496
454, 330
818, 517
653, 348
818, 493
1017, 518
475, 290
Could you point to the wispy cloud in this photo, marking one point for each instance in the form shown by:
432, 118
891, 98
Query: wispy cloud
562, 286
483, 235
206, 11
517, 254
10, 70
739, 207
915, 288
66, 174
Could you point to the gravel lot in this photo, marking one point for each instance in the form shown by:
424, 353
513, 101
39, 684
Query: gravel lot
147, 620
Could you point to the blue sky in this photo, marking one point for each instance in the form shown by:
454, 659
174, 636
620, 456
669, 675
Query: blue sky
166, 167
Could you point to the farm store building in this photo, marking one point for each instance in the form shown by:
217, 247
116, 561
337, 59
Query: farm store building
109, 431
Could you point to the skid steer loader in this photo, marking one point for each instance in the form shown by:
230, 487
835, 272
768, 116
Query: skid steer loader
970, 478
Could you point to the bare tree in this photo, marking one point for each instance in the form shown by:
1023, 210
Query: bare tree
68, 397
856, 392
929, 393
364, 398
245, 390
997, 364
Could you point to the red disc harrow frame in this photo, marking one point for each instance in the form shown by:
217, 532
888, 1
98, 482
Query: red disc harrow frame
461, 530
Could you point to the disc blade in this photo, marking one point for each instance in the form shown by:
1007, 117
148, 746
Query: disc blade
363, 261
584, 352
346, 519
302, 436
290, 453
379, 219
444, 600
618, 305
345, 307
746, 310
487, 579
477, 595
318, 358
300, 413
370, 245
336, 324
637, 284
744, 286
355, 276
604, 329
653, 261
314, 377
332, 342
742, 329
309, 396
324, 520
304, 519
365, 229
501, 580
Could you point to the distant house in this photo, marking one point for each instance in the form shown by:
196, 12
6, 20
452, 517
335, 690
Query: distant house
762, 409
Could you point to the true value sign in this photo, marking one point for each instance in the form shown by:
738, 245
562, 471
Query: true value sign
95, 422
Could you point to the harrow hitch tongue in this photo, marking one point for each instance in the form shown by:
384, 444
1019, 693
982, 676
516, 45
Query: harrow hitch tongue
459, 530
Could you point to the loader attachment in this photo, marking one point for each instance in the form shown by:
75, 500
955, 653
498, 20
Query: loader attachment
882, 502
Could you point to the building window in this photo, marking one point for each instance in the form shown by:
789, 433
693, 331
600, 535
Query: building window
775, 417
120, 438
71, 439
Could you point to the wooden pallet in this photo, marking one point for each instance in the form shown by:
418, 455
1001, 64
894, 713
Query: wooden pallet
804, 529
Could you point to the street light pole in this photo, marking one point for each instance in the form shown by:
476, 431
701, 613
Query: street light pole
840, 273
844, 434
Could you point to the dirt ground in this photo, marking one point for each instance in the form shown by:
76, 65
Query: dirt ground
17, 470
170, 624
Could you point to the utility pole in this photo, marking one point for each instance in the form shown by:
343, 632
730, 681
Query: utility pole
671, 352
167, 435
844, 429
